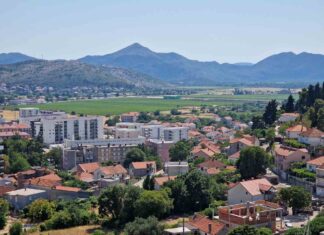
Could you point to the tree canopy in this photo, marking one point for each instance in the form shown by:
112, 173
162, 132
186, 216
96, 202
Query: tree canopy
295, 197
253, 161
180, 151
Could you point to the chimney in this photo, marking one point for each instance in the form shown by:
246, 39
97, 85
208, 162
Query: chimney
209, 228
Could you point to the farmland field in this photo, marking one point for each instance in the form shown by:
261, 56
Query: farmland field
114, 106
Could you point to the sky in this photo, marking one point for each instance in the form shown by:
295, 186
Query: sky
207, 30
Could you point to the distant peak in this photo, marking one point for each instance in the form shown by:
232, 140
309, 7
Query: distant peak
135, 49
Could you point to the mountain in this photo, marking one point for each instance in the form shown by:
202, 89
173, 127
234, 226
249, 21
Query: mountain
68, 74
10, 58
285, 67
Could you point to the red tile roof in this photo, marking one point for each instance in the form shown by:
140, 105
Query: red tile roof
235, 155
317, 161
142, 165
212, 171
113, 170
312, 132
202, 223
49, 181
68, 189
163, 179
89, 167
297, 128
212, 164
256, 187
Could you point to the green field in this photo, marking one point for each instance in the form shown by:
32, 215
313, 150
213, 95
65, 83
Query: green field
278, 97
121, 105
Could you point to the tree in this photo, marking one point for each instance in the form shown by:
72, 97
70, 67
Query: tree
140, 226
295, 197
295, 231
4, 209
290, 105
134, 155
40, 210
143, 117
180, 151
320, 119
270, 114
112, 121
248, 230
148, 183
111, 201
16, 229
55, 156
317, 225
253, 161
132, 194
19, 164
153, 203
257, 123
243, 230
175, 112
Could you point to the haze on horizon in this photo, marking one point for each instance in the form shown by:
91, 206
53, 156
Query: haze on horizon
206, 30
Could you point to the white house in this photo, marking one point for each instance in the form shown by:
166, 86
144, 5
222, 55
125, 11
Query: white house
294, 131
288, 117
251, 190
312, 137
312, 165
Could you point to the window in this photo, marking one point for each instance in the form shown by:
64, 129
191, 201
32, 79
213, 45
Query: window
303, 157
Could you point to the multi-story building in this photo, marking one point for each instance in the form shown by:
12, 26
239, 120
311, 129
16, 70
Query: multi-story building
160, 148
175, 134
114, 150
256, 214
151, 131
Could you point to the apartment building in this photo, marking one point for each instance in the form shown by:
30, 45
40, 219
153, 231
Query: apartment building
104, 150
129, 117
174, 134
2, 164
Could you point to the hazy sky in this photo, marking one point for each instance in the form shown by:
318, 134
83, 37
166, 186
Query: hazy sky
225, 31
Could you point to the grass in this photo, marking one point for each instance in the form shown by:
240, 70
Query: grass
121, 105
80, 230
278, 97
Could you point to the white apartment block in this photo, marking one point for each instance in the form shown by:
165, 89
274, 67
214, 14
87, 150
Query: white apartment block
55, 127
174, 134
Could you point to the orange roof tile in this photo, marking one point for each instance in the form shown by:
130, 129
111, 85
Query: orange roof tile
68, 189
235, 155
113, 170
317, 161
297, 128
312, 132
89, 167
202, 223
163, 179
253, 186
212, 164
213, 171
142, 165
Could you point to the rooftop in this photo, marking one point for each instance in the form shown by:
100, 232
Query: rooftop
142, 165
317, 161
25, 192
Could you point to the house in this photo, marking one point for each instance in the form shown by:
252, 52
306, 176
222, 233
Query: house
117, 171
87, 167
312, 165
313, 137
288, 117
250, 190
200, 224
285, 156
140, 169
44, 182
176, 168
206, 149
21, 198
238, 144
257, 214
160, 181
211, 167
294, 131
